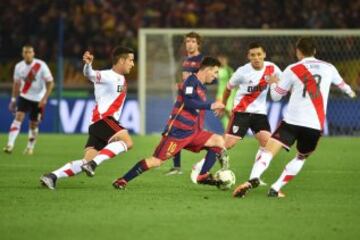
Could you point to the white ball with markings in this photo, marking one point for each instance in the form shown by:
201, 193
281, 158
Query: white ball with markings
227, 177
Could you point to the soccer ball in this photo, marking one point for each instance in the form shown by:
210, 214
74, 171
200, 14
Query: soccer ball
227, 177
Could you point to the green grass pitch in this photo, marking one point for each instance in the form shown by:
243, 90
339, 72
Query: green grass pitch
323, 201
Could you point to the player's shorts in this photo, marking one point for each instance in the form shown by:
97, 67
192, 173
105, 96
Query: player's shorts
35, 112
307, 138
240, 123
170, 146
101, 131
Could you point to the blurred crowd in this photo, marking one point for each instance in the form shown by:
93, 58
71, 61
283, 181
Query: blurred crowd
100, 24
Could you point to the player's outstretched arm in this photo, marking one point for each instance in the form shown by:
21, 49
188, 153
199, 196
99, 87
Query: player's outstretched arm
346, 89
89, 73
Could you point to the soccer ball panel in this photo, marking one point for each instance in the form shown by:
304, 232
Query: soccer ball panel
227, 177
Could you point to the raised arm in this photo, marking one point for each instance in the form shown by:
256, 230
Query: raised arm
89, 73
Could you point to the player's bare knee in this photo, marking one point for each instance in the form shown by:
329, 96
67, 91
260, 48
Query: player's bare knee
230, 142
19, 116
262, 142
33, 124
153, 162
129, 143
219, 141
263, 137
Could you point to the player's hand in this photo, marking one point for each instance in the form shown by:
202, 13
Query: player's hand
272, 79
12, 106
219, 112
352, 94
217, 105
42, 102
88, 57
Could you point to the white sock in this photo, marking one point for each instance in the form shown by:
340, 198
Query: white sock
69, 169
290, 171
261, 164
110, 151
260, 150
14, 132
198, 166
32, 137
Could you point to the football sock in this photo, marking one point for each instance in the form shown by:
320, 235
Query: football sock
260, 150
69, 169
261, 164
177, 160
110, 151
290, 171
137, 169
14, 132
210, 160
32, 137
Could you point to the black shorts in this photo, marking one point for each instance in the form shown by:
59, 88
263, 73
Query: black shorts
307, 138
101, 131
241, 122
25, 105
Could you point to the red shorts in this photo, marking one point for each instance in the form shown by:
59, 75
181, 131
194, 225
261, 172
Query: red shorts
170, 146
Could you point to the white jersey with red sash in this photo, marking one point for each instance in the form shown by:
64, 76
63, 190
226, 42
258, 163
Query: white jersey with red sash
32, 78
110, 92
252, 87
309, 81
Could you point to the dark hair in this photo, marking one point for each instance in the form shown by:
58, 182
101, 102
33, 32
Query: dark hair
120, 52
194, 35
209, 62
28, 45
253, 45
306, 45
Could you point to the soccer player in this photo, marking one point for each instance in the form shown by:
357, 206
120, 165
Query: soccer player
107, 138
184, 129
190, 65
32, 86
309, 82
252, 81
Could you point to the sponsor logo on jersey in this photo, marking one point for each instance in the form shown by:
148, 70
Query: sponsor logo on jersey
256, 88
120, 88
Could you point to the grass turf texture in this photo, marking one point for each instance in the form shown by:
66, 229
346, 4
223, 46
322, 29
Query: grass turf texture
322, 201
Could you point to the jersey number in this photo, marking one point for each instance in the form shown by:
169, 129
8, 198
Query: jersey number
172, 147
315, 94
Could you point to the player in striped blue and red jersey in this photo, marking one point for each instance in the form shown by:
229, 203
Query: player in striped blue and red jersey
309, 82
189, 66
184, 129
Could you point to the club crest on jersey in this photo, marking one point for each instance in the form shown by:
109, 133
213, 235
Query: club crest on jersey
235, 129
